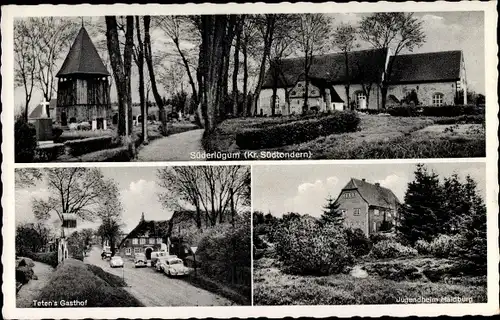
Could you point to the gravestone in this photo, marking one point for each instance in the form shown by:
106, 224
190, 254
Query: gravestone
43, 124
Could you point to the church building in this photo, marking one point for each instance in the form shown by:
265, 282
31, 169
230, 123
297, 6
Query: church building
427, 79
83, 86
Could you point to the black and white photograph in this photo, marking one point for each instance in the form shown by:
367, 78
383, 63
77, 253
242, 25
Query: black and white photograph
370, 234
133, 237
250, 87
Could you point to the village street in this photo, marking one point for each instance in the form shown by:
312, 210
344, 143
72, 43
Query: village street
155, 289
177, 147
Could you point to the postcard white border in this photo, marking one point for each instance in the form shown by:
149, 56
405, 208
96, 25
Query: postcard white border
491, 75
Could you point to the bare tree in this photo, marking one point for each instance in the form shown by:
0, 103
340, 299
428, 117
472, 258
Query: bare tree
139, 61
25, 67
110, 213
211, 190
391, 30
311, 35
344, 38
80, 191
248, 41
236, 62
27, 177
55, 35
149, 63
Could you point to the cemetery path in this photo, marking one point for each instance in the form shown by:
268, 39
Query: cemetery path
31, 290
155, 289
177, 147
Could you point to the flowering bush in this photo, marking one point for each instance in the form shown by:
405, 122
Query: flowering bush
305, 247
422, 246
391, 249
444, 245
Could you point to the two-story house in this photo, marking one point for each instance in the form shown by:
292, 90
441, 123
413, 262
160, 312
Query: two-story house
366, 206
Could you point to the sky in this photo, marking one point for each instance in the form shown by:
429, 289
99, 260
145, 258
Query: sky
304, 188
138, 193
444, 30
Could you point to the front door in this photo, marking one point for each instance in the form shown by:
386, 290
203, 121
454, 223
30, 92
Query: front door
148, 253
64, 119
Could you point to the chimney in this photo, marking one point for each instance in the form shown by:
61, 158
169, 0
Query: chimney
364, 180
142, 217
377, 184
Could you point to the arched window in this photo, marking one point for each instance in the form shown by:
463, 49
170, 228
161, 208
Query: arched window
360, 96
437, 99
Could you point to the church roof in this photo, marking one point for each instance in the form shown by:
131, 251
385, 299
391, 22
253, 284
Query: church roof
83, 58
364, 66
38, 111
426, 67
374, 194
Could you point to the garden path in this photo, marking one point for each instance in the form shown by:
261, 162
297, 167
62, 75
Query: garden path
177, 147
31, 290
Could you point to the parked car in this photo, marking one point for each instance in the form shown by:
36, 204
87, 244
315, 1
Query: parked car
161, 263
175, 267
116, 262
155, 256
140, 260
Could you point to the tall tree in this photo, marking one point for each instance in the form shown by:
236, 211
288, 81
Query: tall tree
236, 62
149, 63
110, 212
391, 30
267, 28
139, 61
311, 35
248, 41
331, 213
344, 39
422, 215
25, 67
73, 190
211, 190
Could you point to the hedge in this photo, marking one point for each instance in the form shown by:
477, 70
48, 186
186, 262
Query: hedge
25, 140
434, 111
79, 147
49, 258
49, 152
298, 131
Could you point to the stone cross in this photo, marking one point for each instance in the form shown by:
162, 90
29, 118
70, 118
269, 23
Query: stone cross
44, 104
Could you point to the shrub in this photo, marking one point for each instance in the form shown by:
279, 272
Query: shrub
49, 258
358, 242
387, 249
24, 274
49, 152
434, 111
307, 248
56, 133
79, 147
403, 111
25, 140
474, 119
380, 236
298, 131
111, 279
226, 256
422, 246
74, 281
444, 245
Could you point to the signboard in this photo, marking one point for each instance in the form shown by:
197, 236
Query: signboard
193, 249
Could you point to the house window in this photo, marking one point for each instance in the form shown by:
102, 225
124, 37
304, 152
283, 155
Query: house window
349, 195
277, 100
437, 99
151, 240
142, 241
360, 96
357, 212
137, 250
375, 227
128, 251
159, 240
135, 241
376, 213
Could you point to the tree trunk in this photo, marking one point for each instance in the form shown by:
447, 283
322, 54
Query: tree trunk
268, 39
140, 67
154, 88
127, 63
236, 65
246, 107
188, 70
347, 83
275, 71
305, 108
113, 45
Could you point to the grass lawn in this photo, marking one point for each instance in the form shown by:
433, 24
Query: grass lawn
75, 280
273, 287
379, 136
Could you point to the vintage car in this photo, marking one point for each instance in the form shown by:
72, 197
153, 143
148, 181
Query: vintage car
140, 260
175, 267
156, 255
116, 262
161, 263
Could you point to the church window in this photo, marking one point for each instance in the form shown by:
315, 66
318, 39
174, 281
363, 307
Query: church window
437, 99
357, 211
135, 241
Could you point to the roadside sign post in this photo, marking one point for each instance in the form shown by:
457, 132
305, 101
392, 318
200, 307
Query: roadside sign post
193, 249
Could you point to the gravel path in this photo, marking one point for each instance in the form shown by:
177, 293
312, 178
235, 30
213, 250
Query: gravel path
30, 291
155, 289
177, 147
